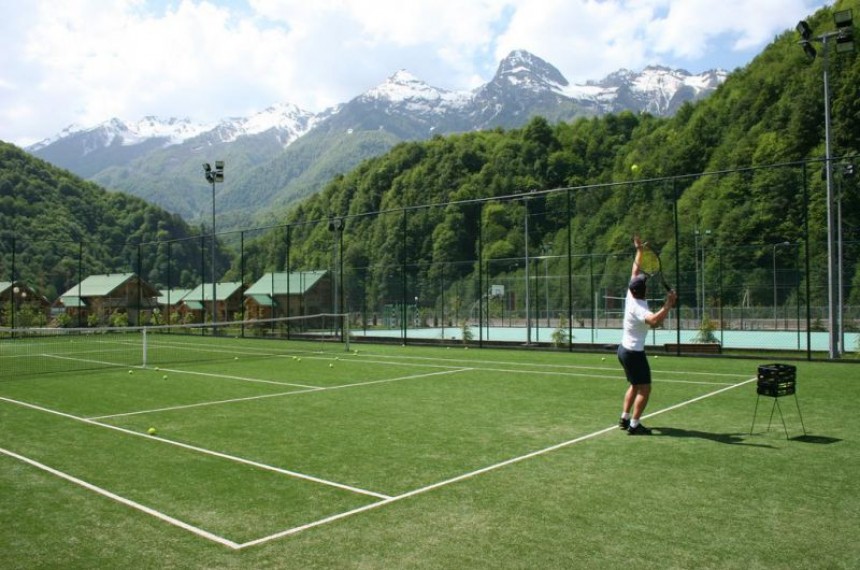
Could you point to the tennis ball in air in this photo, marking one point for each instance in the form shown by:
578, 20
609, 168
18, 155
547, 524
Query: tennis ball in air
152, 431
634, 168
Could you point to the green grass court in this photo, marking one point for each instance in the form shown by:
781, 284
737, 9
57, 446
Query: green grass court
276, 454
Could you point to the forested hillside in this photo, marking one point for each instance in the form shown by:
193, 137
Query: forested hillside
743, 168
56, 227
760, 138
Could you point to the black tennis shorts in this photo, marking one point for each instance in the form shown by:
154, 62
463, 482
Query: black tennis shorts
635, 365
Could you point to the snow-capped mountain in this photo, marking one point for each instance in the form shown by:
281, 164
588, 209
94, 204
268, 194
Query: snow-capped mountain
657, 90
284, 145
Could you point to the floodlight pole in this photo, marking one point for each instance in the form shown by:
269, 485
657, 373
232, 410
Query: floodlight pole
213, 176
834, 348
844, 38
214, 293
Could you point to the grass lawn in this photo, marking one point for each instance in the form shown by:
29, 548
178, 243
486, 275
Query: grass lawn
417, 457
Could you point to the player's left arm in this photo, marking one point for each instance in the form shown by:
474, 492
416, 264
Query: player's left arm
654, 319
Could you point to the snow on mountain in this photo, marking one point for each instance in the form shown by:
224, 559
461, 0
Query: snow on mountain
656, 89
288, 121
403, 88
524, 70
117, 131
402, 105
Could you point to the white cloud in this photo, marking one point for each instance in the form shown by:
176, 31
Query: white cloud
85, 61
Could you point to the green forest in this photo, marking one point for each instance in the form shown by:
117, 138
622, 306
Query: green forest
56, 229
741, 169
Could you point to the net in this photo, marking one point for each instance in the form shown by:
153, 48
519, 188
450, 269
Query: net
33, 351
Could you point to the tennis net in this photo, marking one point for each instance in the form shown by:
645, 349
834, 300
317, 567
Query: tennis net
34, 351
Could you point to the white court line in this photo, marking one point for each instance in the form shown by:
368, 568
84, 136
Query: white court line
128, 502
475, 473
279, 394
202, 450
230, 377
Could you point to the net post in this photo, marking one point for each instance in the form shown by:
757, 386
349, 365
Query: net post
144, 347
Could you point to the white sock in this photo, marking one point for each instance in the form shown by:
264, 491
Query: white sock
634, 423
625, 416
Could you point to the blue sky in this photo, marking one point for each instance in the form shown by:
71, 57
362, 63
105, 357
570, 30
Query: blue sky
86, 61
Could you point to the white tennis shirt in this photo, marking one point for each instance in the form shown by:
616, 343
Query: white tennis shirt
635, 327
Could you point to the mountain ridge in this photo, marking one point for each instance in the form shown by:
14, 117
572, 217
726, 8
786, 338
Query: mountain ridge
167, 152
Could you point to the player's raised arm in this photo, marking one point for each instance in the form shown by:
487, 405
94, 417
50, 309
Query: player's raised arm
640, 245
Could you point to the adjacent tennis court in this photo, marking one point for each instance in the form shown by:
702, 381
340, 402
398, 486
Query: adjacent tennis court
303, 453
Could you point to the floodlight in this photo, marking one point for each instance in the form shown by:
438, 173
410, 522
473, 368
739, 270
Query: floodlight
335, 224
206, 167
843, 19
809, 50
219, 165
845, 44
804, 30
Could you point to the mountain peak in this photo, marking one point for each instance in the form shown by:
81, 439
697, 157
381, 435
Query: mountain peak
523, 68
403, 86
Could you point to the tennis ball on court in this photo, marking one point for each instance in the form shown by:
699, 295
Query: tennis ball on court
164, 377
656, 356
602, 359
152, 431
131, 371
235, 358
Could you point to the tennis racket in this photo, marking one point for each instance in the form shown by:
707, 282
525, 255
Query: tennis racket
651, 266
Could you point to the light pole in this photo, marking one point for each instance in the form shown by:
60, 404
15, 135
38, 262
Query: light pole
213, 176
696, 248
774, 246
526, 248
335, 225
844, 36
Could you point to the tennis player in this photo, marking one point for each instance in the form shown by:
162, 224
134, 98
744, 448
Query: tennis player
638, 320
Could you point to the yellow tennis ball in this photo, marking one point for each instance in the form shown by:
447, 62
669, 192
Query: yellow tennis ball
151, 431
634, 168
